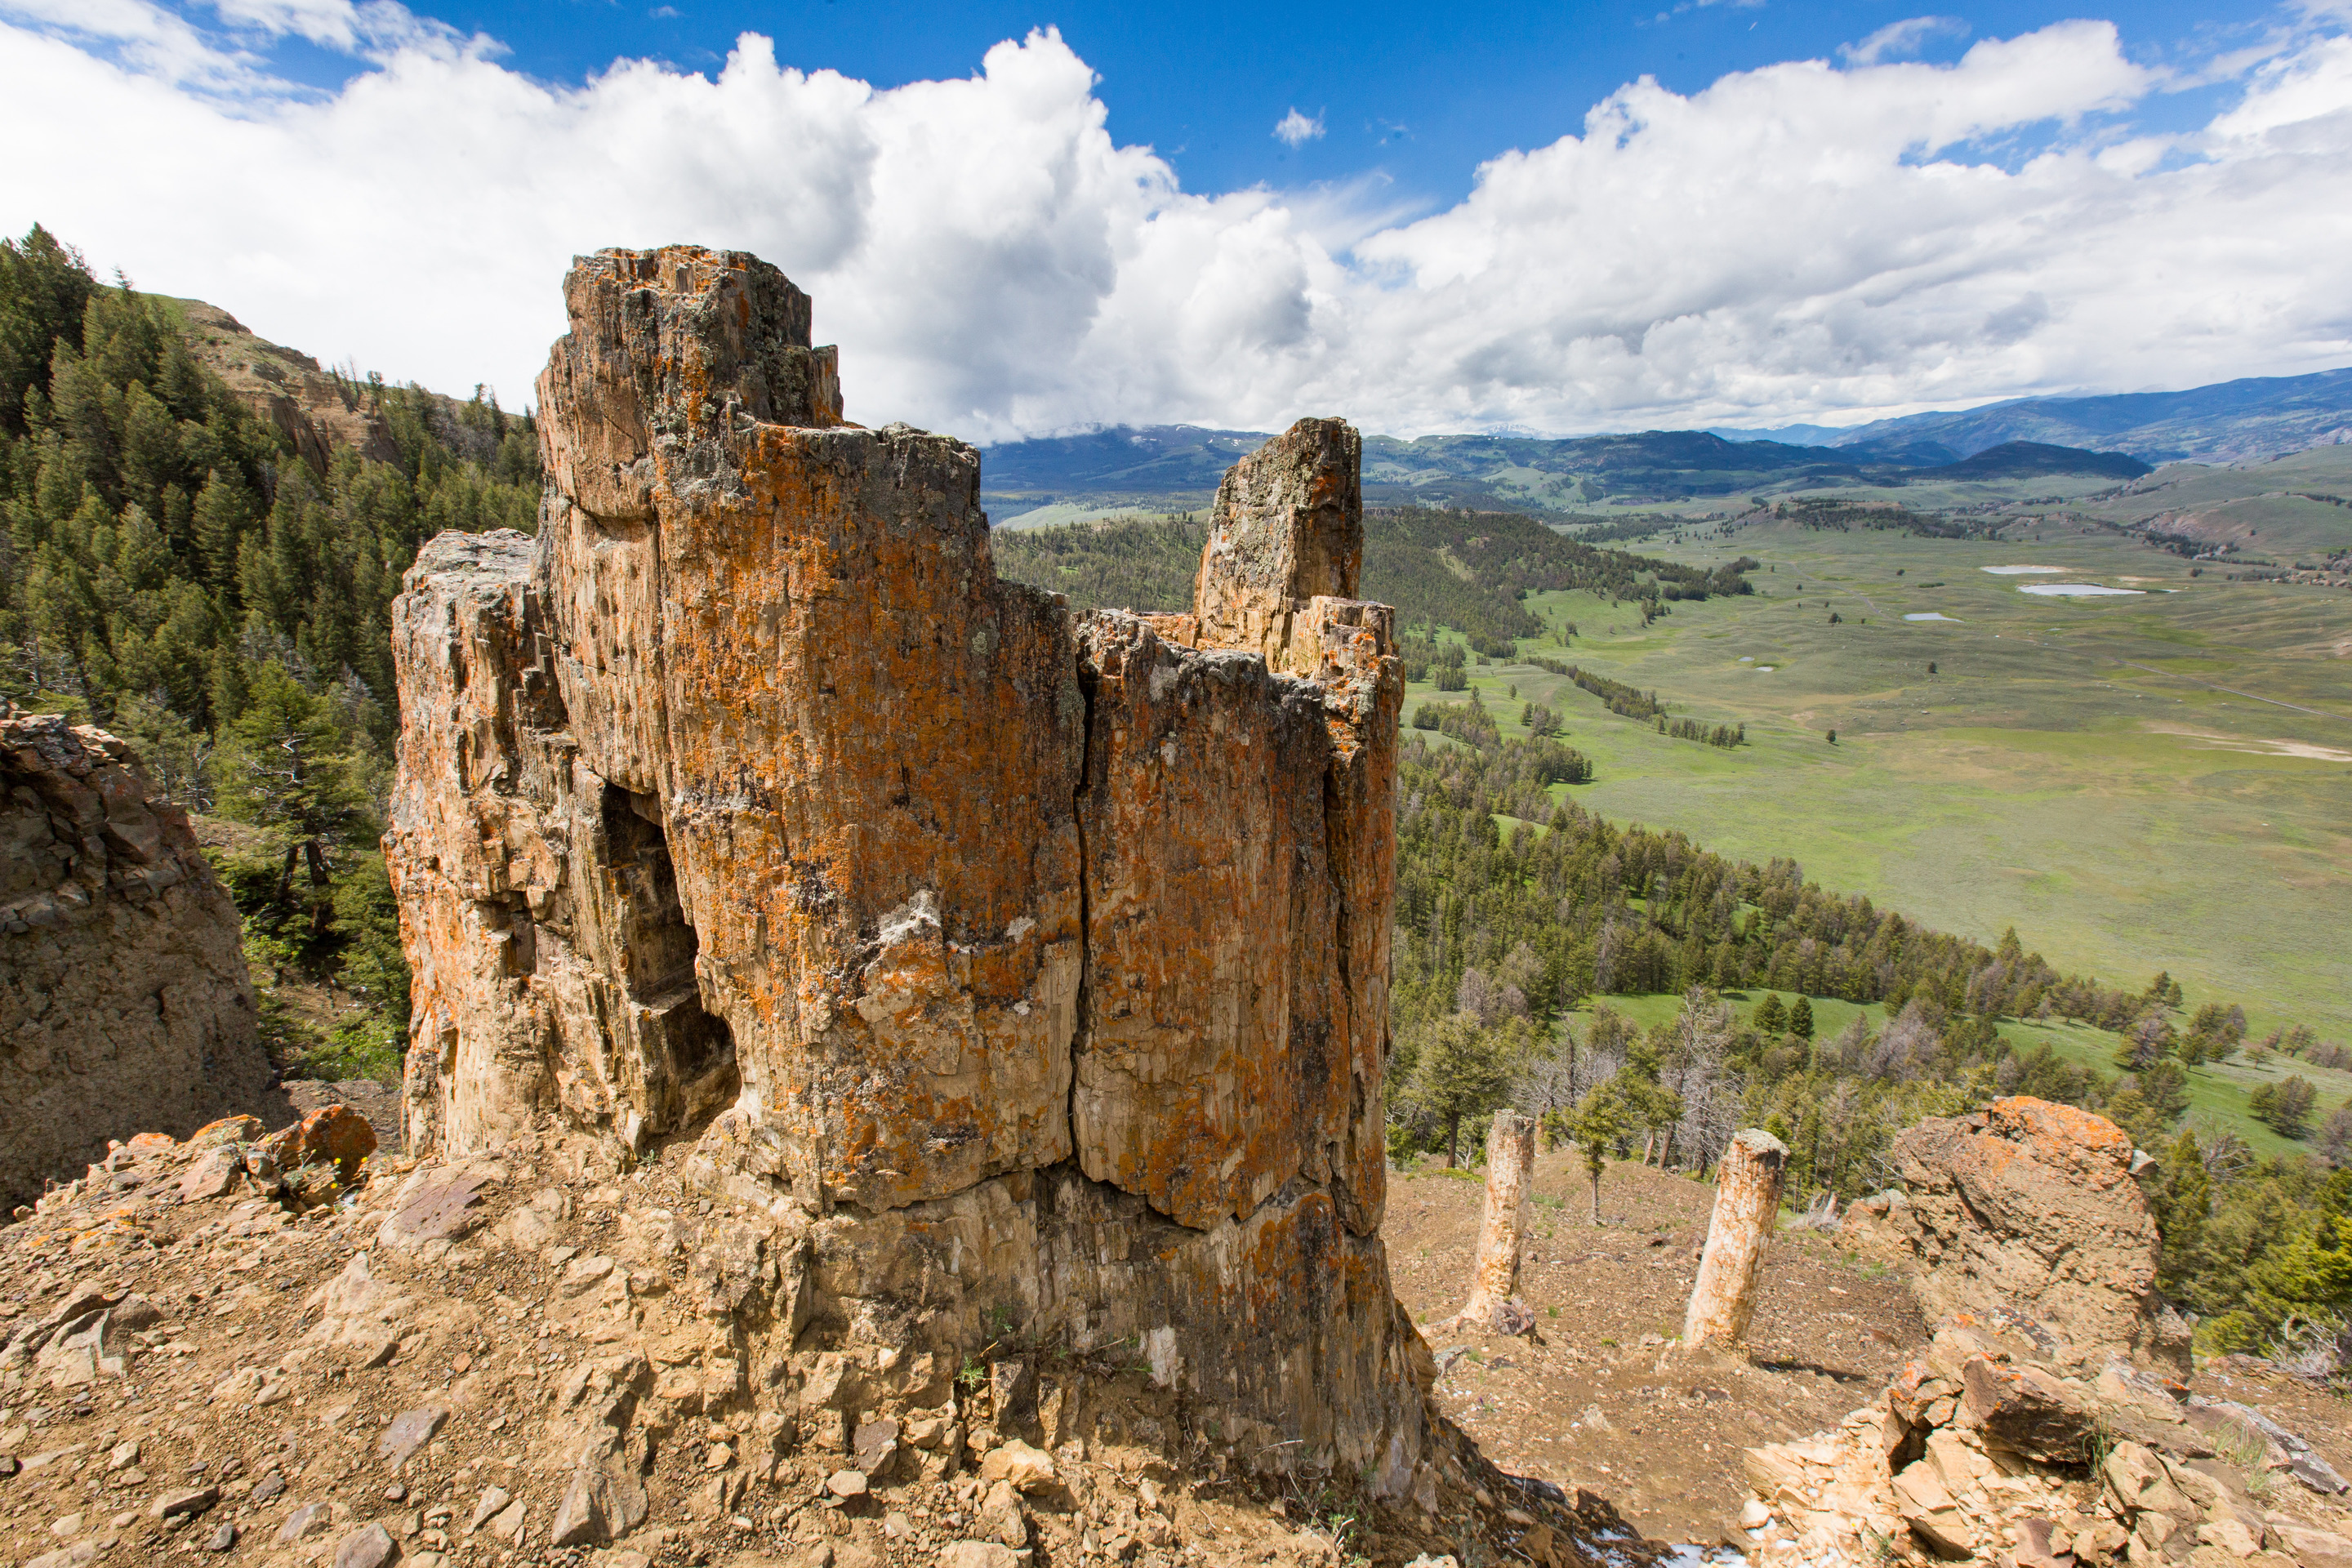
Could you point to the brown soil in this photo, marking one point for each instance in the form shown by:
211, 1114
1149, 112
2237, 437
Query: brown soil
1598, 1403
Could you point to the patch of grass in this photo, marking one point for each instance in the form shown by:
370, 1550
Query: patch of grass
2236, 1445
361, 1048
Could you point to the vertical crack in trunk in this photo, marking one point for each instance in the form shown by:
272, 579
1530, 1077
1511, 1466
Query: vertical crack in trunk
1229, 1222
1081, 1030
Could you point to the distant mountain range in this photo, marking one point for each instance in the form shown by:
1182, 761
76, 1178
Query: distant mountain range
1179, 466
2246, 421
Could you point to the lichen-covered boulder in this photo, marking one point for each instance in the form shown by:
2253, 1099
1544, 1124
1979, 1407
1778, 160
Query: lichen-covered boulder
2031, 1209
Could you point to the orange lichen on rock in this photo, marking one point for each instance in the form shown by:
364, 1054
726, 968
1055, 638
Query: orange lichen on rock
1010, 960
2030, 1209
331, 1135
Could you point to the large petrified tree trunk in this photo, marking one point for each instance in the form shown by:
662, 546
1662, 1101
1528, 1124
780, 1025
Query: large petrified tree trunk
1494, 1307
1009, 960
1747, 1206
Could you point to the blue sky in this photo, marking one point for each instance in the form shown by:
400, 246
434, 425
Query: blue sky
1018, 219
1416, 95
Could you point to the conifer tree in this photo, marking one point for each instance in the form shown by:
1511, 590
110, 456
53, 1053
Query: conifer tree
286, 770
1461, 1071
1601, 1120
1800, 1018
223, 513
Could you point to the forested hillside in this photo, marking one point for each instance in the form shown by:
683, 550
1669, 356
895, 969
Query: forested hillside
172, 570
1129, 563
1467, 571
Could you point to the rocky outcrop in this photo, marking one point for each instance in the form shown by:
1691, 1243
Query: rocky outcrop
124, 1002
1287, 530
314, 411
1982, 1451
1020, 967
2029, 1210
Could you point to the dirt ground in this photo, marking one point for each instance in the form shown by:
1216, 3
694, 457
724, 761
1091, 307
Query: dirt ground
1597, 1404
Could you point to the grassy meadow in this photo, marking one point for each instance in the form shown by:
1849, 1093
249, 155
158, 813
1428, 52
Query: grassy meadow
2160, 781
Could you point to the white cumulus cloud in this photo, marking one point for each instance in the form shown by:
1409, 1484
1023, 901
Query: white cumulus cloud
1793, 242
1897, 39
1296, 130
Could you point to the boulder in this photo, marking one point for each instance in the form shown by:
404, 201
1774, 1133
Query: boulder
605, 1498
1029, 1469
1001, 1518
333, 1135
2030, 1209
124, 1000
977, 1555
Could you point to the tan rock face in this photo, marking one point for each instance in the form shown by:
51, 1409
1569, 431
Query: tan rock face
1238, 834
1040, 962
1288, 527
2030, 1208
124, 1003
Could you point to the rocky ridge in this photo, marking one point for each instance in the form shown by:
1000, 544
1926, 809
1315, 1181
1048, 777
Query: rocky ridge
315, 411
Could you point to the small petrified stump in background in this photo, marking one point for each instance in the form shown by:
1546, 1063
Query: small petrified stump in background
1747, 1204
1494, 1307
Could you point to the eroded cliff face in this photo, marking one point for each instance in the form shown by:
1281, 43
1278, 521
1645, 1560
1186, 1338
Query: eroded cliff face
124, 1002
1038, 961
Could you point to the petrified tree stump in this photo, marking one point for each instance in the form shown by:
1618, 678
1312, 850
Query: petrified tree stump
1494, 1307
1747, 1205
1032, 961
